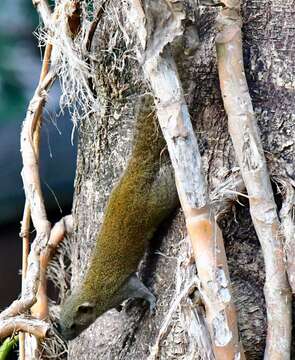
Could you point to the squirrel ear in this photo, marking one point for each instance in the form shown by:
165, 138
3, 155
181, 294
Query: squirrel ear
85, 308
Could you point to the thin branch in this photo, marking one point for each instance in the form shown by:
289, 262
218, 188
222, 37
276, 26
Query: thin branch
46, 15
33, 192
60, 230
249, 152
206, 238
25, 235
30, 140
30, 172
25, 227
9, 319
33, 326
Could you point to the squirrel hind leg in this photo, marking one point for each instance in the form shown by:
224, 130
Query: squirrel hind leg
134, 288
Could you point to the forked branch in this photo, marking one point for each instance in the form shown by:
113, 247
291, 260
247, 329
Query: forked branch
25, 224
33, 326
59, 232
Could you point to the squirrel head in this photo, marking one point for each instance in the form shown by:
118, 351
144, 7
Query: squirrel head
76, 315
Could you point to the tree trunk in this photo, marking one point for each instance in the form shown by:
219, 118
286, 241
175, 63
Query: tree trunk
104, 148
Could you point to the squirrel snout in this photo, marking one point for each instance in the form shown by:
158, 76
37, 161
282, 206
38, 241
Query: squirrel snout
67, 333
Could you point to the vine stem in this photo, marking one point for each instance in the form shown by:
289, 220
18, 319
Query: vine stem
25, 224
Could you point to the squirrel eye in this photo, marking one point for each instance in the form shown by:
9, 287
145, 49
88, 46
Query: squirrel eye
73, 326
84, 309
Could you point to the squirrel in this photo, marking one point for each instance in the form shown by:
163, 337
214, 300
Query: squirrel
144, 196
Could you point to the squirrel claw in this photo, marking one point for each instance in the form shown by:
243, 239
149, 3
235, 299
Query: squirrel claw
134, 288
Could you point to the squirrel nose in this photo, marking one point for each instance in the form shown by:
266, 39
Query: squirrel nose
58, 331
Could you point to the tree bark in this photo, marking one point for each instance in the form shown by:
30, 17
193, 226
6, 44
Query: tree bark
104, 148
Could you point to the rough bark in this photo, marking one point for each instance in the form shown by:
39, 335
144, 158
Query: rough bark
104, 147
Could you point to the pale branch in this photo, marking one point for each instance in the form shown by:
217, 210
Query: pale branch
30, 172
25, 224
46, 63
15, 324
10, 316
36, 274
30, 175
192, 314
46, 15
40, 309
206, 238
59, 232
25, 235
34, 207
249, 152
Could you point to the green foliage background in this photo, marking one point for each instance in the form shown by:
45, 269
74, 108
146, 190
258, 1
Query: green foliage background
18, 20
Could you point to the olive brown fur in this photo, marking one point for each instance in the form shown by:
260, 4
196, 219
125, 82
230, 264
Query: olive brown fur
144, 196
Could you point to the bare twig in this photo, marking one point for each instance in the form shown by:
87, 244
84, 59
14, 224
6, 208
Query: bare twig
30, 138
206, 238
25, 229
249, 152
25, 235
33, 192
59, 231
34, 202
46, 15
33, 326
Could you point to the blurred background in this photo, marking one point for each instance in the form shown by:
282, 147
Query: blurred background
20, 64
